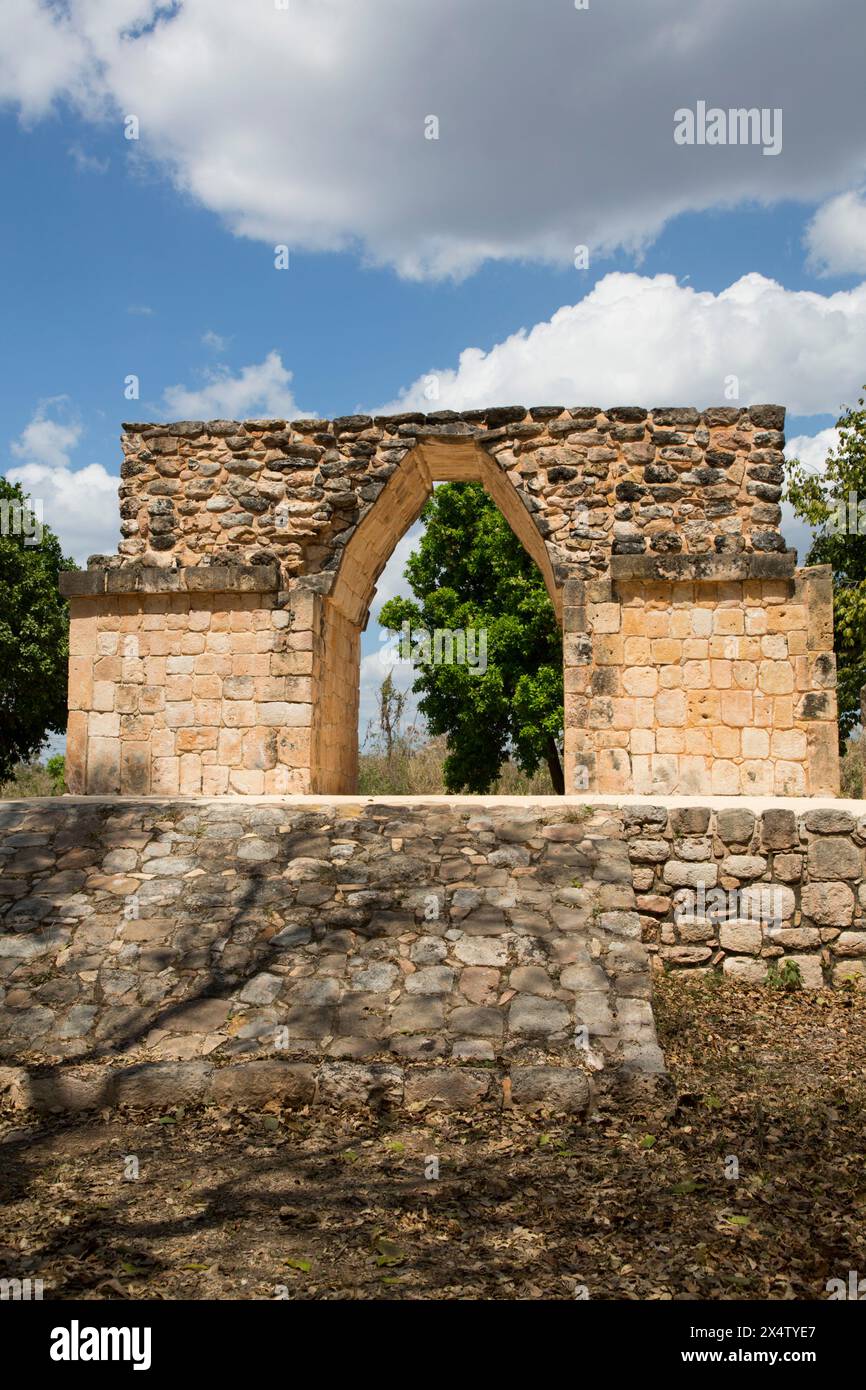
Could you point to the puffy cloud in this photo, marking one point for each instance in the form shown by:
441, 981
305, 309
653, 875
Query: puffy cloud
306, 125
47, 440
261, 389
812, 449
80, 505
44, 55
648, 340
836, 236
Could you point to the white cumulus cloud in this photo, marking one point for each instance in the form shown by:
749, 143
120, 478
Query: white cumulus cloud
48, 440
836, 236
78, 504
812, 449
639, 340
260, 389
306, 125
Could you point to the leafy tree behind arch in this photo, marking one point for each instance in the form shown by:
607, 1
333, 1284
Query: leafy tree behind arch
471, 572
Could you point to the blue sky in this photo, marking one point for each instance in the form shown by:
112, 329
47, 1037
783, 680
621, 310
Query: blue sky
411, 256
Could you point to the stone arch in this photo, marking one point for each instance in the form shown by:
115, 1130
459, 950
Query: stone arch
345, 610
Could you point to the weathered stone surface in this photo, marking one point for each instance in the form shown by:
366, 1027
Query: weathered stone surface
350, 1085
779, 829
255, 1083
811, 972
447, 1088
735, 826
562, 1089
481, 950
529, 1014
850, 943
833, 858
680, 874
829, 904
829, 821
744, 866
164, 1083
689, 820
742, 937
531, 979
745, 968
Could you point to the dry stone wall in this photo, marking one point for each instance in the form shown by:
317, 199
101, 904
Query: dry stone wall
747, 892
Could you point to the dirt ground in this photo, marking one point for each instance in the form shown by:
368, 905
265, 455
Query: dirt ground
638, 1203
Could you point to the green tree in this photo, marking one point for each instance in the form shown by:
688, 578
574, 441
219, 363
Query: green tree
34, 627
471, 572
830, 502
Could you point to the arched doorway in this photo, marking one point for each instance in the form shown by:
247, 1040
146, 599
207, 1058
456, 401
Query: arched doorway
336, 677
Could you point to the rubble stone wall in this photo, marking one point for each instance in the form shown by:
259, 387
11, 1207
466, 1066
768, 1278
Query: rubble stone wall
746, 892
595, 482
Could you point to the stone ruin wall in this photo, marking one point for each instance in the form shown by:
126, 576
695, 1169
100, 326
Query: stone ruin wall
217, 651
626, 481
456, 954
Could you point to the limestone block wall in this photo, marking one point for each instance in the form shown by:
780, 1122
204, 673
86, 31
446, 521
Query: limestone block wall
191, 692
693, 679
334, 748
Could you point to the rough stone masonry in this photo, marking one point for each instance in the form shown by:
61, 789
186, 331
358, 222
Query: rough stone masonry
450, 954
237, 950
218, 651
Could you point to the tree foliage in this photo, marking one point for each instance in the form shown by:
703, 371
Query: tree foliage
830, 502
471, 572
34, 643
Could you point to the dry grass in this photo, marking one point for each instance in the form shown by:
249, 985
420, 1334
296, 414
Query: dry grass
851, 768
32, 779
415, 769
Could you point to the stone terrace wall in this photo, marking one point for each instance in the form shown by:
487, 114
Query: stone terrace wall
450, 953
596, 482
761, 889
152, 951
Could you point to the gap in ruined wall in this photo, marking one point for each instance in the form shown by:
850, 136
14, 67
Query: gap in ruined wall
345, 611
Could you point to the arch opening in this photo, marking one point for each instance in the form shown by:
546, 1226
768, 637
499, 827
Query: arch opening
345, 610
